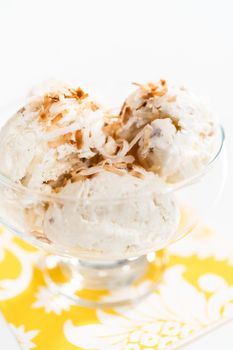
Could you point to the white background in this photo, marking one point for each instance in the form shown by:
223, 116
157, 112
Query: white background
106, 45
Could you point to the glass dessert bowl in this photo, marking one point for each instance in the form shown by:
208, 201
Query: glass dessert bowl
105, 193
106, 246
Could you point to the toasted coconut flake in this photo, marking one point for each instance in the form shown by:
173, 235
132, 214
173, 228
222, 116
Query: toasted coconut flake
96, 159
129, 166
77, 177
155, 168
40, 236
53, 97
56, 119
124, 149
119, 157
159, 93
121, 154
62, 181
94, 107
126, 114
163, 82
80, 93
146, 135
176, 124
135, 139
43, 116
137, 174
57, 189
121, 165
122, 109
111, 129
148, 95
77, 94
47, 101
109, 117
62, 131
91, 171
79, 138
113, 169
151, 90
141, 106
65, 138
78, 166
45, 205
153, 93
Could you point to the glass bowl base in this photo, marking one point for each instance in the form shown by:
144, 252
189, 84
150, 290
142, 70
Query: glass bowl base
105, 284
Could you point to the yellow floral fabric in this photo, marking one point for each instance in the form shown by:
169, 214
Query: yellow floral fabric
196, 294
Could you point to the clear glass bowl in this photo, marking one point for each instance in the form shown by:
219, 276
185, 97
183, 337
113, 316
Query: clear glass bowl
108, 259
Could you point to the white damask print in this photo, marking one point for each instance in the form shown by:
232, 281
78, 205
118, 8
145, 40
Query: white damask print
51, 302
24, 337
164, 318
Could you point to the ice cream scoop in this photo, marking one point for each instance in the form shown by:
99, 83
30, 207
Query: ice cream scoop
55, 130
113, 214
175, 134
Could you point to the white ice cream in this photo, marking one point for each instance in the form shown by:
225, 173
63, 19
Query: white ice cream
58, 129
176, 134
49, 134
113, 216
81, 191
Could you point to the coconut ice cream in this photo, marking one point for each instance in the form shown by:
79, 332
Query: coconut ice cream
76, 185
59, 129
116, 213
53, 131
174, 132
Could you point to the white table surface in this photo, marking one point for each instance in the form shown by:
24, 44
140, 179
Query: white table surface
108, 44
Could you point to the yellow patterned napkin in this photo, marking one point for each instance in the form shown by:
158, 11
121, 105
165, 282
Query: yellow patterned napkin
196, 294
